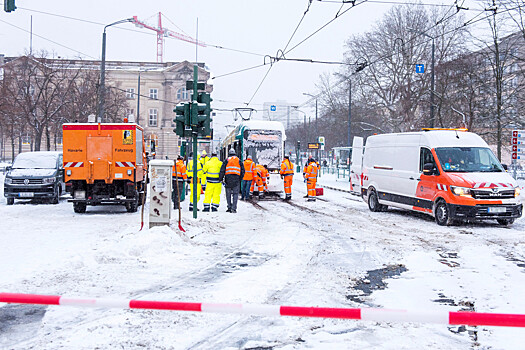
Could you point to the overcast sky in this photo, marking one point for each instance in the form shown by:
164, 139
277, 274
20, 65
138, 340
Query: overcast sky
74, 29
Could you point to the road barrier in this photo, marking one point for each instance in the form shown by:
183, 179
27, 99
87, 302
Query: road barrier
365, 314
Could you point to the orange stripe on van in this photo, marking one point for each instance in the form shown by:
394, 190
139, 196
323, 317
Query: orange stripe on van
424, 210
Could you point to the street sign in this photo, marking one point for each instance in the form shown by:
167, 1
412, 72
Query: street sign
273, 108
420, 68
313, 146
321, 140
518, 142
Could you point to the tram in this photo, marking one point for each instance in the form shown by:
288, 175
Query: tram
262, 140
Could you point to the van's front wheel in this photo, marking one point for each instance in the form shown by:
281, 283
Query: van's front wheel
442, 213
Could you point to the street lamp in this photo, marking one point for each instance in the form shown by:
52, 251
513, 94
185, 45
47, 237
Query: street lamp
138, 93
102, 91
371, 125
432, 79
316, 129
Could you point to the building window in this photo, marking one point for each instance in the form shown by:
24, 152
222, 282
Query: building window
154, 94
130, 94
182, 94
153, 117
130, 112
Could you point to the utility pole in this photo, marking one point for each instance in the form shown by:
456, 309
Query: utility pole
432, 107
138, 101
194, 140
288, 119
102, 89
350, 113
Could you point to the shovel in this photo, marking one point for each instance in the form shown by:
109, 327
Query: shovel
178, 201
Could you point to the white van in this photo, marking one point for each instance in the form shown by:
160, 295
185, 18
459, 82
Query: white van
449, 174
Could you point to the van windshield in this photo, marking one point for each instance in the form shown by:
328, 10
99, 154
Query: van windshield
468, 160
35, 160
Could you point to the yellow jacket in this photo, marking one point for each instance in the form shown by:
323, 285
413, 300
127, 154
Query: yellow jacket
190, 171
212, 169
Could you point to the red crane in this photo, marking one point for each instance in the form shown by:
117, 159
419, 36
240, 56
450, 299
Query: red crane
165, 32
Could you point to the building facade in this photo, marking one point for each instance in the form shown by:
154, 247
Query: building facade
151, 92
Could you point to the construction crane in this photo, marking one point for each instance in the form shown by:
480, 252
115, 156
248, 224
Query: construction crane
162, 33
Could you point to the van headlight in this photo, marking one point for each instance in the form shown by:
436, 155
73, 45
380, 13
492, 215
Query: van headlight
49, 180
517, 191
461, 191
8, 180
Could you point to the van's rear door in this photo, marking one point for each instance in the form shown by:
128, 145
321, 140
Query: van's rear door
356, 167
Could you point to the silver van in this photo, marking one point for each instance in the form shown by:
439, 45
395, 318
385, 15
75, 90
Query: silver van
35, 175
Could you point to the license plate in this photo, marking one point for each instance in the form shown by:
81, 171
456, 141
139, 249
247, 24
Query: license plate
497, 209
26, 195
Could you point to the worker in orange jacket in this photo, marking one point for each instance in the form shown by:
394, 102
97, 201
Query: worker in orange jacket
310, 175
231, 174
178, 177
261, 178
249, 171
287, 175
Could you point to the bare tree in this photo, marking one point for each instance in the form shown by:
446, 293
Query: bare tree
398, 42
502, 91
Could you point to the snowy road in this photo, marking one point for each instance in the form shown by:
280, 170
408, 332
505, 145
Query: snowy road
333, 253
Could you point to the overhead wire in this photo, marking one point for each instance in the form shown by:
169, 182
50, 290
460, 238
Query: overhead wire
44, 38
220, 47
282, 51
381, 58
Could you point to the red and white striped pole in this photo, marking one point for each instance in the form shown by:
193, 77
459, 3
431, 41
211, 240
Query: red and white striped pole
365, 314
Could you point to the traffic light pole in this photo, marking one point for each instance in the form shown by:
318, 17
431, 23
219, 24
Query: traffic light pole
194, 140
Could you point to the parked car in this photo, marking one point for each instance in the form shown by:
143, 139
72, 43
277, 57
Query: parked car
35, 175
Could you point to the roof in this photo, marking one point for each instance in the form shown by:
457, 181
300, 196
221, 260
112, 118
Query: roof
263, 124
432, 139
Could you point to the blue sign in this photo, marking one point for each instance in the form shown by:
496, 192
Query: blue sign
420, 68
273, 108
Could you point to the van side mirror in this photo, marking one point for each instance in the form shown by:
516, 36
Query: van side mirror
428, 169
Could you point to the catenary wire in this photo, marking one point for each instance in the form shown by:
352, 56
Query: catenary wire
467, 23
282, 51
220, 47
44, 38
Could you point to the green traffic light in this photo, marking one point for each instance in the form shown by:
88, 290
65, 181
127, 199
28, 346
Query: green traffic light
9, 5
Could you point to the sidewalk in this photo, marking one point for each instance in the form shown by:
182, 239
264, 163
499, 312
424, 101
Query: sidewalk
331, 181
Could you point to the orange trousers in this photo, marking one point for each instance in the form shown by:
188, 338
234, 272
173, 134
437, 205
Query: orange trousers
261, 184
288, 184
310, 185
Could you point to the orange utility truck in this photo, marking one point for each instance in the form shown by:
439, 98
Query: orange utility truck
104, 164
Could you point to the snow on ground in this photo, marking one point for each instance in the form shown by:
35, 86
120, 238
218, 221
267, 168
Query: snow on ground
332, 253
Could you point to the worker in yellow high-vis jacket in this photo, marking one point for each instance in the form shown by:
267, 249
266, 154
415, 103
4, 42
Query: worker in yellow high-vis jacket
203, 159
212, 195
191, 173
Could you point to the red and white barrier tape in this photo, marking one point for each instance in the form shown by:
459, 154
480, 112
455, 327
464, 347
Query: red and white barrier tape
365, 314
